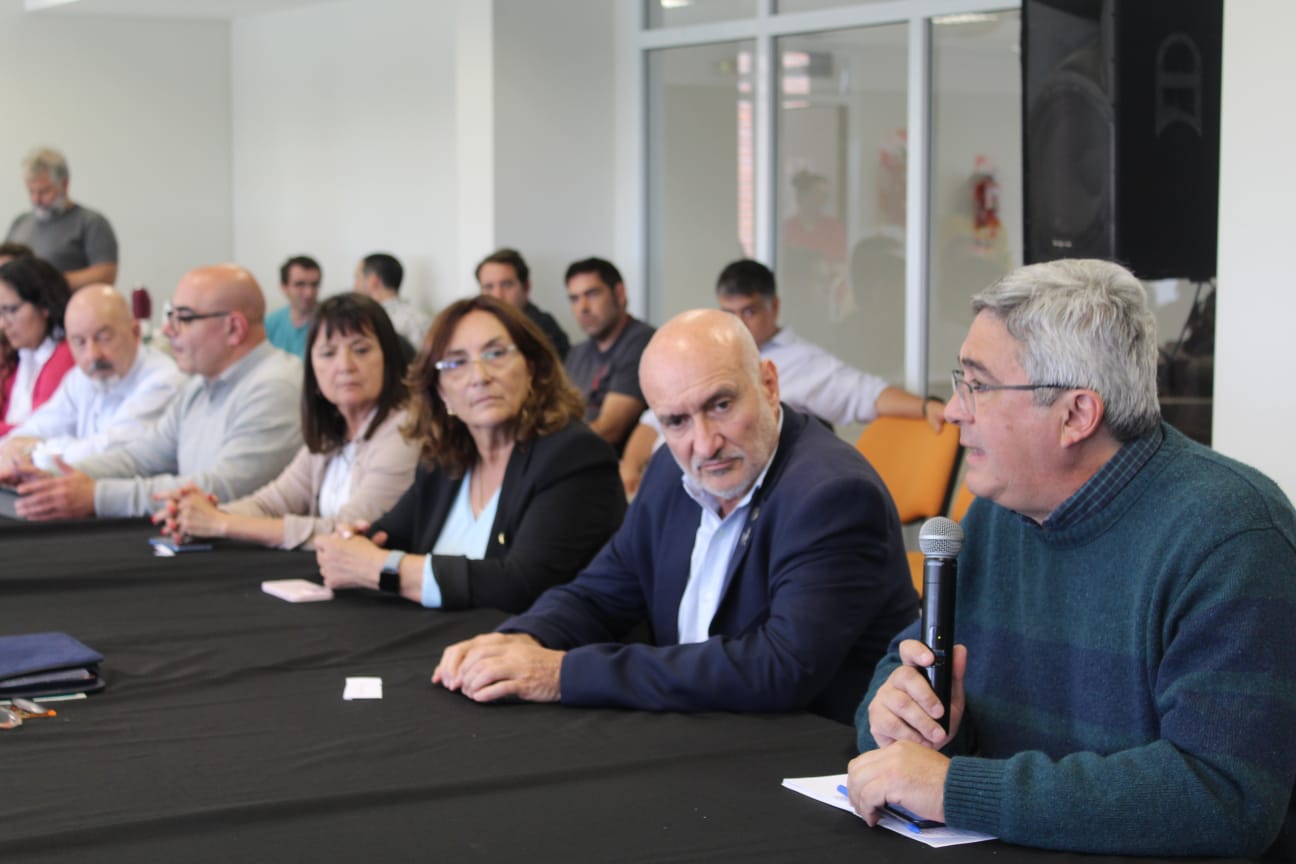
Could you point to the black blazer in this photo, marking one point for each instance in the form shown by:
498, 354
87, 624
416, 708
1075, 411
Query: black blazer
560, 501
817, 586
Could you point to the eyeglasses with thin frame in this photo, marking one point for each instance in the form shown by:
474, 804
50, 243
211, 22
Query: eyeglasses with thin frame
967, 390
9, 310
177, 317
494, 358
19, 709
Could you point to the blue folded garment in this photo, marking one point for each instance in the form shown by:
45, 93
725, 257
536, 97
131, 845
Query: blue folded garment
44, 664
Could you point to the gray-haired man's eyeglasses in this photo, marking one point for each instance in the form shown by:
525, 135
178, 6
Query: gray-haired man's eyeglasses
966, 390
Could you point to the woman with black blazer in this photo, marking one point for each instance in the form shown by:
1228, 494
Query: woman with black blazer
514, 493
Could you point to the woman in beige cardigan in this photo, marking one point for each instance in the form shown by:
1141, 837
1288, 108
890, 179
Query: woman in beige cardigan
354, 464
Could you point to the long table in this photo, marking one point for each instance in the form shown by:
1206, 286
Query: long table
223, 735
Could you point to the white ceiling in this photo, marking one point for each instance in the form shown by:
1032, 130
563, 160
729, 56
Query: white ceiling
214, 9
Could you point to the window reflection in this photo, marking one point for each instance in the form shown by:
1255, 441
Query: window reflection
701, 200
841, 182
679, 13
976, 214
810, 5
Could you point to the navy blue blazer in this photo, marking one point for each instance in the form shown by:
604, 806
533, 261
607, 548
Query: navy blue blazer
560, 501
817, 586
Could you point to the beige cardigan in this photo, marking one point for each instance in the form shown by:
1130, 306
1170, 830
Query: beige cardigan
383, 469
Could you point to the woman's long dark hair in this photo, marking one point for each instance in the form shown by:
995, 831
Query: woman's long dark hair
323, 428
39, 283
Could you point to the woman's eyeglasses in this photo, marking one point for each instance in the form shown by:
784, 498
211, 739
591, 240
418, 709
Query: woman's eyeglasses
456, 366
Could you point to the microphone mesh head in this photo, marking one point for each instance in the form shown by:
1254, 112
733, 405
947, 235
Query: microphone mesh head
940, 538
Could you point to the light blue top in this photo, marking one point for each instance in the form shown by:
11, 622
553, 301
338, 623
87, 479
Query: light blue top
462, 534
713, 548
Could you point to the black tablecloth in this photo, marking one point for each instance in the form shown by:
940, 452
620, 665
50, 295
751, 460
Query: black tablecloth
223, 736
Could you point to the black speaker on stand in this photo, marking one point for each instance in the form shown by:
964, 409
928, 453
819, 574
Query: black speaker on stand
1121, 132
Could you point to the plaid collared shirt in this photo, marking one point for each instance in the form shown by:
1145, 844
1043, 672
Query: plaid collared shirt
1101, 488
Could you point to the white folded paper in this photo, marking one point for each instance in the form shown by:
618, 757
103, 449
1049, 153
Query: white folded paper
824, 790
362, 688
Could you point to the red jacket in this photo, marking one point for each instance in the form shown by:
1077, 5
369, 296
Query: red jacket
51, 375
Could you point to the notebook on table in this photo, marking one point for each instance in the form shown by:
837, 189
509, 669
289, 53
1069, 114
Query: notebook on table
47, 664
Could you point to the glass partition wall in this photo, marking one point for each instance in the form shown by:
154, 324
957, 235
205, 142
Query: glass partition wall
701, 202
840, 192
869, 152
975, 220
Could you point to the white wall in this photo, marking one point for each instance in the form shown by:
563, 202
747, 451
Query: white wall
345, 142
1254, 410
140, 107
433, 130
554, 128
475, 138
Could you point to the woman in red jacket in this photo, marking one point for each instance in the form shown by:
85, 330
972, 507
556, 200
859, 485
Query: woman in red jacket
33, 294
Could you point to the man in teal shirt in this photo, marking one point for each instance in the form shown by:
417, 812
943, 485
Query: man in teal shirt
299, 279
1123, 682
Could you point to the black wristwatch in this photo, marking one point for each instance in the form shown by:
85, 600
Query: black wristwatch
389, 577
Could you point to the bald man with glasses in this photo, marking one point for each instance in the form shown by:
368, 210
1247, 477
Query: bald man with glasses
233, 427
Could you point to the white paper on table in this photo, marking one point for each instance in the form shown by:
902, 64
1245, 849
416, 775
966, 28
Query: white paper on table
297, 590
824, 790
362, 688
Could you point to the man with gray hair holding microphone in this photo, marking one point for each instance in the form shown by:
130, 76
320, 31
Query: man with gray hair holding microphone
1122, 679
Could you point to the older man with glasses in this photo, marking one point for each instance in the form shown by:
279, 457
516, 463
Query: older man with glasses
117, 390
232, 428
1122, 683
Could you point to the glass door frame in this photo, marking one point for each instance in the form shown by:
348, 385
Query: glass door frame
764, 28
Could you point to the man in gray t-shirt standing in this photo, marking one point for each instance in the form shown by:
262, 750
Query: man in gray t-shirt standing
606, 368
75, 239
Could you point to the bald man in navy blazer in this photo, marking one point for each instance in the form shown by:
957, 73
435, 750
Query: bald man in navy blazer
763, 553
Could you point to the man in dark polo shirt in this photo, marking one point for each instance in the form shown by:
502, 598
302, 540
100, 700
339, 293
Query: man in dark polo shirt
75, 239
606, 368
504, 275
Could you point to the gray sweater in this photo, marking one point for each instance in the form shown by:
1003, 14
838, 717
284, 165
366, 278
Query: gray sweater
228, 435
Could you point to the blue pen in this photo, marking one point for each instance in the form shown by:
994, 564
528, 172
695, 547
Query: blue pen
912, 822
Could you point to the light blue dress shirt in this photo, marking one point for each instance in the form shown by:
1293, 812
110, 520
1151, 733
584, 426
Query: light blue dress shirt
462, 534
713, 549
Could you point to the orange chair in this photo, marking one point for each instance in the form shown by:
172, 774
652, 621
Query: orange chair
916, 569
962, 501
917, 465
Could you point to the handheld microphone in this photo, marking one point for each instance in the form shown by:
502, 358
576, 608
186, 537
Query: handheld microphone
940, 540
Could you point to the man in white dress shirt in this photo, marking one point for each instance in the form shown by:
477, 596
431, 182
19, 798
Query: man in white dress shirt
118, 389
810, 379
379, 276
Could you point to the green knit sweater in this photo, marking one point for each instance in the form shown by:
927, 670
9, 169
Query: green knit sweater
1131, 682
